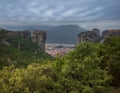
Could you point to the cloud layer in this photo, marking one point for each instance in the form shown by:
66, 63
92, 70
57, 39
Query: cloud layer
53, 12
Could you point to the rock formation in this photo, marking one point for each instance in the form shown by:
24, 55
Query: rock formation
91, 36
110, 33
39, 37
24, 34
94, 35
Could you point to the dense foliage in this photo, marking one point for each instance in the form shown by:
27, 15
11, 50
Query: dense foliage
90, 68
110, 50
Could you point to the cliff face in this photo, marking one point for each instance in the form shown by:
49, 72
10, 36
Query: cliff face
39, 37
94, 35
109, 33
24, 34
91, 36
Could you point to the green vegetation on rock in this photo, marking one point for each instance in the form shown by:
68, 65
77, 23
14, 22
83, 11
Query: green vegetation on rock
19, 51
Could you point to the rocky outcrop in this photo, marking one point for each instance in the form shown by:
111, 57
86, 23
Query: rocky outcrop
110, 33
24, 34
94, 35
39, 37
91, 36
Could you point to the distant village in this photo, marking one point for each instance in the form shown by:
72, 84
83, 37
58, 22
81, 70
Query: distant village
58, 49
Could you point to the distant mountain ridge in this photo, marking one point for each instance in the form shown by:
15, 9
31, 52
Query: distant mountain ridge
66, 34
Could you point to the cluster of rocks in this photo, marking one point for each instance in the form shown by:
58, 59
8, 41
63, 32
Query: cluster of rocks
94, 35
38, 37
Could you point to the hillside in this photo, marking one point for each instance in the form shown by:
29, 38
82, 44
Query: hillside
19, 51
55, 34
64, 34
90, 68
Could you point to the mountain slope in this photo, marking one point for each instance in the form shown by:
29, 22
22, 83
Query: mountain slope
64, 34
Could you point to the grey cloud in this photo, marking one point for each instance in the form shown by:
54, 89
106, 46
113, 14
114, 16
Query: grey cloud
58, 11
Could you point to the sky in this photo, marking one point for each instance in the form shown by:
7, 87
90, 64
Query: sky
103, 14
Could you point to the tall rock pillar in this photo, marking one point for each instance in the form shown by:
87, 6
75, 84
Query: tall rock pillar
39, 37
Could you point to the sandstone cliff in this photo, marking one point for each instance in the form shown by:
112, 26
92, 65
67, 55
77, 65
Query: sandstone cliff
109, 33
91, 36
94, 35
39, 37
24, 34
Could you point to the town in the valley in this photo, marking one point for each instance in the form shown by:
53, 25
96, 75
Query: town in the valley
58, 49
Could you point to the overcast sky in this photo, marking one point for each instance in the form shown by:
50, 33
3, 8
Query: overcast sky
104, 14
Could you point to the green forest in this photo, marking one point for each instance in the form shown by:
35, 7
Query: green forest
90, 68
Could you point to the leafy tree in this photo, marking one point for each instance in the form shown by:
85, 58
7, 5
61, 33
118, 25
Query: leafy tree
110, 51
83, 65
